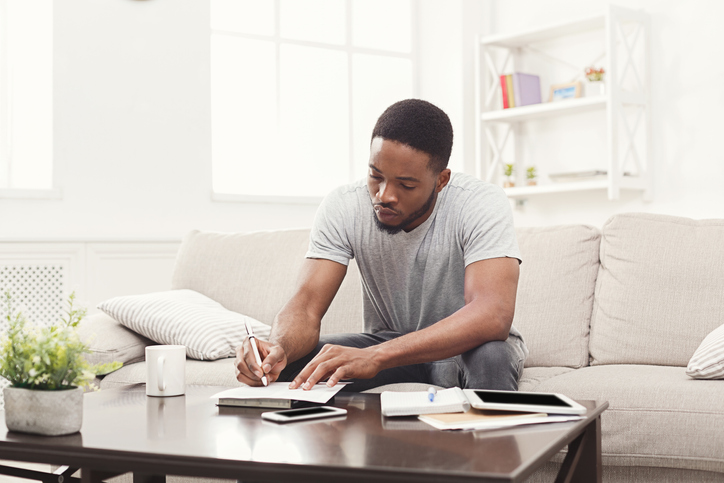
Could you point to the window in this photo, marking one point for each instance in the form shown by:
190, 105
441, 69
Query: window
296, 87
26, 115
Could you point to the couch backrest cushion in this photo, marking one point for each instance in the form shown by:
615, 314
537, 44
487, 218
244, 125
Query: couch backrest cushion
555, 293
256, 274
660, 289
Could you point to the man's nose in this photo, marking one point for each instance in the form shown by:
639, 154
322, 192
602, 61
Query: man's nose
387, 194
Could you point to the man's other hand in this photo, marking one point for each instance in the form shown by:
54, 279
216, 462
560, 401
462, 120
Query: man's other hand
334, 363
273, 358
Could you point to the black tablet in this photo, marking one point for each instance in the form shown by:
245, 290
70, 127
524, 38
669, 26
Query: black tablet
537, 402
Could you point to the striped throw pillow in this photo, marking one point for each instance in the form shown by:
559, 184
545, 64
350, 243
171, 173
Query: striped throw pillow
708, 360
184, 317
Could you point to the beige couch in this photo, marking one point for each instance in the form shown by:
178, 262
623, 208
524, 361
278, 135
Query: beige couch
609, 314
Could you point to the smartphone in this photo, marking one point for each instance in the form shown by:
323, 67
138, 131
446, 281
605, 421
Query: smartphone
303, 414
523, 401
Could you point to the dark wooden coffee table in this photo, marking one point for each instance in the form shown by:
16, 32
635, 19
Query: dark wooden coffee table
126, 431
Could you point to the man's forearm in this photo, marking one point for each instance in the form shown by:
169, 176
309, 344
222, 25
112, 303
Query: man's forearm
490, 290
295, 331
296, 327
466, 329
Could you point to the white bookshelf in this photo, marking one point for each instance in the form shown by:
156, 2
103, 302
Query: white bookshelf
547, 32
547, 109
524, 192
621, 30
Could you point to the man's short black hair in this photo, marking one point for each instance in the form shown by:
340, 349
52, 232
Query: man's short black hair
420, 125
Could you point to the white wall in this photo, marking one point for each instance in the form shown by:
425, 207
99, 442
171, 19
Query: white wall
132, 134
446, 34
132, 123
132, 129
688, 101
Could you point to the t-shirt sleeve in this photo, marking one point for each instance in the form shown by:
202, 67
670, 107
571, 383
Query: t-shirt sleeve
328, 239
487, 226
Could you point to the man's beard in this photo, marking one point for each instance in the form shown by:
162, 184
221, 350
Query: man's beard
393, 230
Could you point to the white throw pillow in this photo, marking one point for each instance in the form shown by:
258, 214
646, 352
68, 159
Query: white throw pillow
708, 360
184, 317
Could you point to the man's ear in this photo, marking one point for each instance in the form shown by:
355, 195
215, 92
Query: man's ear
442, 180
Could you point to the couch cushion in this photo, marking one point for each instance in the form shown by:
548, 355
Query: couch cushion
660, 289
185, 317
555, 293
255, 274
198, 373
657, 415
109, 341
627, 474
708, 360
533, 376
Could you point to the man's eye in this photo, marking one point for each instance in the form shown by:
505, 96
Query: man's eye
375, 177
407, 187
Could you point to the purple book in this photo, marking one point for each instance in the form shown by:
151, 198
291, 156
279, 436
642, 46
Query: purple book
526, 89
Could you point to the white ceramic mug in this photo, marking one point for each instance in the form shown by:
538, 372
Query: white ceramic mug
165, 370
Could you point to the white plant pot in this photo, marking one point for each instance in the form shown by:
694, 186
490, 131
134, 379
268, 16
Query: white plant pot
51, 413
594, 89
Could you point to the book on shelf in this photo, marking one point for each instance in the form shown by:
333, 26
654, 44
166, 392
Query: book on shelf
504, 90
490, 419
511, 94
414, 403
526, 88
520, 89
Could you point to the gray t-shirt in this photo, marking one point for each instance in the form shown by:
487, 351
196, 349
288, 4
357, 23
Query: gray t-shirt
413, 280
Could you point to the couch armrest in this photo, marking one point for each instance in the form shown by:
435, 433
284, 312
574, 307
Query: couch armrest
110, 341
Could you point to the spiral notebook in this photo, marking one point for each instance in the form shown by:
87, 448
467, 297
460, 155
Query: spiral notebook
414, 403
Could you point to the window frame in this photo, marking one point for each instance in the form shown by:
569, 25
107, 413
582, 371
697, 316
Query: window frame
6, 125
350, 50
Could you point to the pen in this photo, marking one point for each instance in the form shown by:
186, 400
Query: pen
431, 394
252, 341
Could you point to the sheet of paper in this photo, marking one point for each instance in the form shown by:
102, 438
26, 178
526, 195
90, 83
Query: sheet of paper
320, 393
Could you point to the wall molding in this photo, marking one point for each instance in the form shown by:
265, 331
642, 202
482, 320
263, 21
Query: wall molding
97, 270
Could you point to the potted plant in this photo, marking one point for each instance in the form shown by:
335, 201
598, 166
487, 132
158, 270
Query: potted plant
47, 371
531, 175
595, 85
508, 170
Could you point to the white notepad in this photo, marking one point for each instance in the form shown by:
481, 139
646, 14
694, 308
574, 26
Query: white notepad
451, 400
320, 393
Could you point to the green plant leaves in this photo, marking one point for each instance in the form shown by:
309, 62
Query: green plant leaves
47, 358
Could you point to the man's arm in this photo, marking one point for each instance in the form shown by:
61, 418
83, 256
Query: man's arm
295, 331
490, 290
296, 327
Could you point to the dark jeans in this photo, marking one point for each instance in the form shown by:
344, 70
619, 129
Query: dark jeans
493, 365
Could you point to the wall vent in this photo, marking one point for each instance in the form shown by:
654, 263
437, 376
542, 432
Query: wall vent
37, 290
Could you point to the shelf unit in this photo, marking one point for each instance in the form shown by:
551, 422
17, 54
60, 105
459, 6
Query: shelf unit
627, 87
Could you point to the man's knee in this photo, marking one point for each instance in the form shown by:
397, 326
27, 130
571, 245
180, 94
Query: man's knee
496, 352
493, 365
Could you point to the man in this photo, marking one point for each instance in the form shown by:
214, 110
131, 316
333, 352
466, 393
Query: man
439, 262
